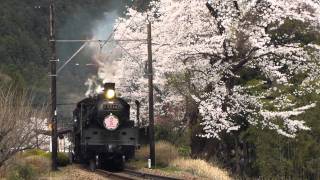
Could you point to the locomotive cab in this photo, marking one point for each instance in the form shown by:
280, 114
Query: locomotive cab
103, 131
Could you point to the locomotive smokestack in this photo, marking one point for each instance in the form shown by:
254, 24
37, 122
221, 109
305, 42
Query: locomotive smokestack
109, 86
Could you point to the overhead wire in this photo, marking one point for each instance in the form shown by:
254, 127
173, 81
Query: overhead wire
117, 43
77, 52
115, 29
110, 36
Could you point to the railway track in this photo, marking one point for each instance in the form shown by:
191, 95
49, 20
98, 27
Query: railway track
132, 175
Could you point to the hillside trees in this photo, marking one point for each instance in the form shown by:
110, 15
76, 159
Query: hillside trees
24, 48
244, 63
23, 42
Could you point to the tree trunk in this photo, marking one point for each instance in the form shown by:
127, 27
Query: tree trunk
238, 169
192, 114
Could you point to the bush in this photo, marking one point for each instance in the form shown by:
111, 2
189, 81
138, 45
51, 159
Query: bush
46, 155
22, 171
27, 165
168, 132
165, 152
184, 151
34, 152
164, 132
63, 158
200, 168
39, 163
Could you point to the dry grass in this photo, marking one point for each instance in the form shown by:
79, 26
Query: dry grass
165, 152
4, 78
167, 157
200, 168
72, 172
40, 164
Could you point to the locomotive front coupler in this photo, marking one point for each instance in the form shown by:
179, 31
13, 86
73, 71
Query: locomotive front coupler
112, 148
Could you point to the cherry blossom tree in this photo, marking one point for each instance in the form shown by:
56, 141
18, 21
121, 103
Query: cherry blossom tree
244, 65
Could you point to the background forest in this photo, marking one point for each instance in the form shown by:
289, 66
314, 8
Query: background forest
250, 152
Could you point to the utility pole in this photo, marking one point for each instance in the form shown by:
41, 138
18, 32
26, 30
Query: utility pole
151, 114
53, 75
138, 112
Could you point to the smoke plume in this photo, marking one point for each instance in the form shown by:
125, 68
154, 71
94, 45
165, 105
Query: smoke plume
106, 56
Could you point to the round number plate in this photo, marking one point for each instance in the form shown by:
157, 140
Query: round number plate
111, 122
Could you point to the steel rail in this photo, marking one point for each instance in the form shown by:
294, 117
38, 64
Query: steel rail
117, 175
148, 175
128, 174
108, 174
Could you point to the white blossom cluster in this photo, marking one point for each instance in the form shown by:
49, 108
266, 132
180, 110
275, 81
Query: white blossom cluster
290, 126
213, 41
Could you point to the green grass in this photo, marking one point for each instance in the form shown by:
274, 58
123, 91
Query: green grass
34, 152
170, 169
63, 158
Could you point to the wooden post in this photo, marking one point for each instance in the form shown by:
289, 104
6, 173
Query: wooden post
53, 75
151, 111
138, 112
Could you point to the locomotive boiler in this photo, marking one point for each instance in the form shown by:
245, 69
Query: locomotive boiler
103, 133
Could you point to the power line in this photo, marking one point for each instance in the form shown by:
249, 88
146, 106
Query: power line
128, 53
108, 39
77, 52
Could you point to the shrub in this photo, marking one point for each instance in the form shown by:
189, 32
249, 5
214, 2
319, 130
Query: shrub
22, 171
46, 155
142, 153
165, 152
168, 131
164, 132
39, 163
34, 152
63, 158
200, 168
184, 151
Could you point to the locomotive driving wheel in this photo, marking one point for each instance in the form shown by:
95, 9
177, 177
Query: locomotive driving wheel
92, 164
118, 162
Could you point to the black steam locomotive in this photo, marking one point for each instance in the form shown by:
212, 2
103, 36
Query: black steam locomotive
103, 133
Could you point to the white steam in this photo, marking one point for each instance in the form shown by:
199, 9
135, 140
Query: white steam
106, 56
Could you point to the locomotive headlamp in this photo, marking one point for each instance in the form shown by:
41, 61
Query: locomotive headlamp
110, 94
109, 90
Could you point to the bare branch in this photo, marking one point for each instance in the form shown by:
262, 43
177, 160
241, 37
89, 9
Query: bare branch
20, 122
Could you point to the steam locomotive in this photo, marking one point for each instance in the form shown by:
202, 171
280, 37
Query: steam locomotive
103, 134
